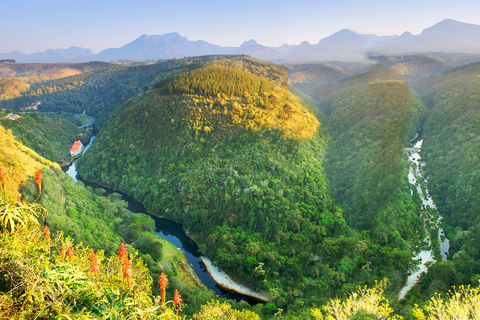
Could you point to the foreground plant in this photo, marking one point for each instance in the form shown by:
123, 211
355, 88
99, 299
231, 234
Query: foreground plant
459, 304
363, 300
163, 284
38, 181
15, 214
177, 300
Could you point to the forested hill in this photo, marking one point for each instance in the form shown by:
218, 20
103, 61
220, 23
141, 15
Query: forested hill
50, 136
83, 215
100, 91
244, 174
369, 123
451, 148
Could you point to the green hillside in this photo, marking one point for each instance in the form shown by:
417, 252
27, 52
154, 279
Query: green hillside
20, 79
243, 174
99, 92
451, 149
88, 217
50, 137
371, 118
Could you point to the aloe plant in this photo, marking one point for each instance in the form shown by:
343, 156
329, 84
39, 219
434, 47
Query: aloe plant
17, 214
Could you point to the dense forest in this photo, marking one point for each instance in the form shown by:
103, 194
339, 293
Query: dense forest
244, 173
51, 136
451, 139
83, 214
306, 202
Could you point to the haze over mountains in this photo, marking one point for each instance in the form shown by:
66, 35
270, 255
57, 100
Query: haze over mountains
345, 45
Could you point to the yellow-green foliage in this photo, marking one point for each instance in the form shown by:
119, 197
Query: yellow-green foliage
211, 80
460, 304
216, 310
38, 281
277, 110
19, 163
13, 87
369, 301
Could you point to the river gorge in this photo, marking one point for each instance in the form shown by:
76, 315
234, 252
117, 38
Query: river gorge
225, 287
416, 177
212, 277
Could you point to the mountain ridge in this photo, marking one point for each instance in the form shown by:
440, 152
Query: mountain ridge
447, 36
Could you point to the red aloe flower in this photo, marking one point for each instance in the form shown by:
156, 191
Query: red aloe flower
38, 177
94, 268
38, 181
122, 252
46, 233
163, 283
127, 270
62, 254
177, 299
1, 172
70, 253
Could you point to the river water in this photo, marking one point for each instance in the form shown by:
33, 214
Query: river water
173, 232
416, 177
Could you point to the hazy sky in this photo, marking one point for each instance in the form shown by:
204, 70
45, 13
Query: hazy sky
37, 25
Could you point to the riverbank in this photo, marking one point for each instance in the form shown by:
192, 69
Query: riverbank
226, 282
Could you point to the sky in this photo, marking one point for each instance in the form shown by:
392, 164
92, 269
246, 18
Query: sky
37, 25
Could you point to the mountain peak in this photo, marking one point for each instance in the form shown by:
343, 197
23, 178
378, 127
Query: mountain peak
451, 28
249, 43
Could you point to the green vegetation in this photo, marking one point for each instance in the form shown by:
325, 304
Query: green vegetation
451, 148
243, 174
99, 92
21, 79
88, 217
51, 138
303, 210
369, 125
211, 80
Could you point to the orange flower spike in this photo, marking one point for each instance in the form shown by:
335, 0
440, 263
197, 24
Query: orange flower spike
163, 283
38, 181
127, 270
38, 177
62, 254
70, 253
177, 299
94, 268
122, 252
46, 233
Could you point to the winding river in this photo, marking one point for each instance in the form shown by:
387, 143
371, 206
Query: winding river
213, 278
416, 177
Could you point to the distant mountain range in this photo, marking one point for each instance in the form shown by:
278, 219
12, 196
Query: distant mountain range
345, 45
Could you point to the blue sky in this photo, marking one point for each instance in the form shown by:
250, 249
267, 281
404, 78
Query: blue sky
37, 25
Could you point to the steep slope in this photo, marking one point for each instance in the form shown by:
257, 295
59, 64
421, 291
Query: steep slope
88, 217
242, 172
370, 118
49, 137
99, 93
451, 148
423, 64
21, 79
